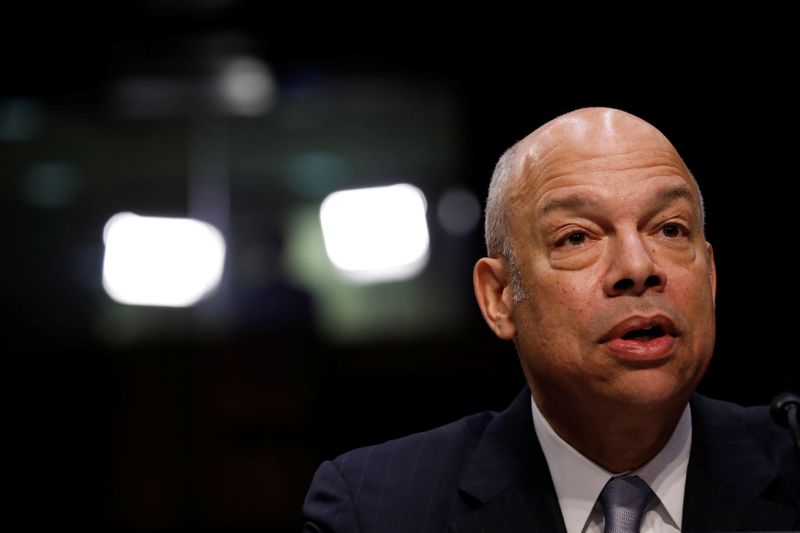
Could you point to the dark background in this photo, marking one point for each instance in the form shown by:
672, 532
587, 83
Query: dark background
166, 420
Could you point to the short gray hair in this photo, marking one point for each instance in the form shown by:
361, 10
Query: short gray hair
496, 225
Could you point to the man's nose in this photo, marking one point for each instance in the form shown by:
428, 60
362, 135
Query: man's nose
634, 269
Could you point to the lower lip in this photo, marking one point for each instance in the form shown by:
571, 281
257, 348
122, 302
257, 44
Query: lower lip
633, 350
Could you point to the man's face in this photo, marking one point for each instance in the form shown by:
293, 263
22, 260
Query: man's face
619, 279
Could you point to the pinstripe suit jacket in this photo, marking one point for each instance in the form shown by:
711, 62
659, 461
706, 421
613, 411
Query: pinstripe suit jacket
487, 473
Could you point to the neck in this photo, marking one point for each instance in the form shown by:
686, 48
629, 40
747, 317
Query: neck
617, 437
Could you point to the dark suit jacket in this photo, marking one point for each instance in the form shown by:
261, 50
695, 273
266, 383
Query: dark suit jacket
487, 472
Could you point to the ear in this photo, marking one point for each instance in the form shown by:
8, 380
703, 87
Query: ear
495, 296
712, 270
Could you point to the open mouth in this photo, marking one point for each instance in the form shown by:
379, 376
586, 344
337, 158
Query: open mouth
641, 329
644, 334
639, 339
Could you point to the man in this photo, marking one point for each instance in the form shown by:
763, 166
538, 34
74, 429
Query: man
600, 273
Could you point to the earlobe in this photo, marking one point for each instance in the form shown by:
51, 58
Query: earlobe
494, 295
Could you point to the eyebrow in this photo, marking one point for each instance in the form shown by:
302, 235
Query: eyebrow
675, 193
575, 202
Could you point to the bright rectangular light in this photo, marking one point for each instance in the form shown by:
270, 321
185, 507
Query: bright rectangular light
376, 234
172, 262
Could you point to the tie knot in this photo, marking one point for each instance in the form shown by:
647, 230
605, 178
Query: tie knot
624, 500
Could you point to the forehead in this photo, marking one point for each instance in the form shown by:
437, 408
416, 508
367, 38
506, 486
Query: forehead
624, 168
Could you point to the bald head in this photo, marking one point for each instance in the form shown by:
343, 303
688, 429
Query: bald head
594, 129
591, 139
588, 133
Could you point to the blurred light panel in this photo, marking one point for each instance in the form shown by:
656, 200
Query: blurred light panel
170, 262
377, 234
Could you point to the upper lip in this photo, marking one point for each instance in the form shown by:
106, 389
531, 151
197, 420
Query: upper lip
641, 322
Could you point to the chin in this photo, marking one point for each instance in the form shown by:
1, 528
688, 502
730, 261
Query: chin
651, 390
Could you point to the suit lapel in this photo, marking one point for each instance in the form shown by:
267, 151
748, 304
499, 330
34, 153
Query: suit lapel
507, 485
727, 475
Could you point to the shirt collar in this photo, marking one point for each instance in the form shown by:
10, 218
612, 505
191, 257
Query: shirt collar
578, 481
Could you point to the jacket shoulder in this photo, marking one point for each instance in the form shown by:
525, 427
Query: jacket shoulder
426, 459
413, 478
727, 425
756, 420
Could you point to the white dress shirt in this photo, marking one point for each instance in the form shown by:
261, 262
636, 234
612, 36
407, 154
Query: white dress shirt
578, 481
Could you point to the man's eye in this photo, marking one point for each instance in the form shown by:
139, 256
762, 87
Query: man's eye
576, 238
671, 230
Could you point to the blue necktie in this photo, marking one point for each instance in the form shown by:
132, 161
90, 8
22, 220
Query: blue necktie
624, 500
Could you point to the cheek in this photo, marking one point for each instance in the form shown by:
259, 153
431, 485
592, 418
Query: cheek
693, 286
692, 294
561, 303
575, 294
